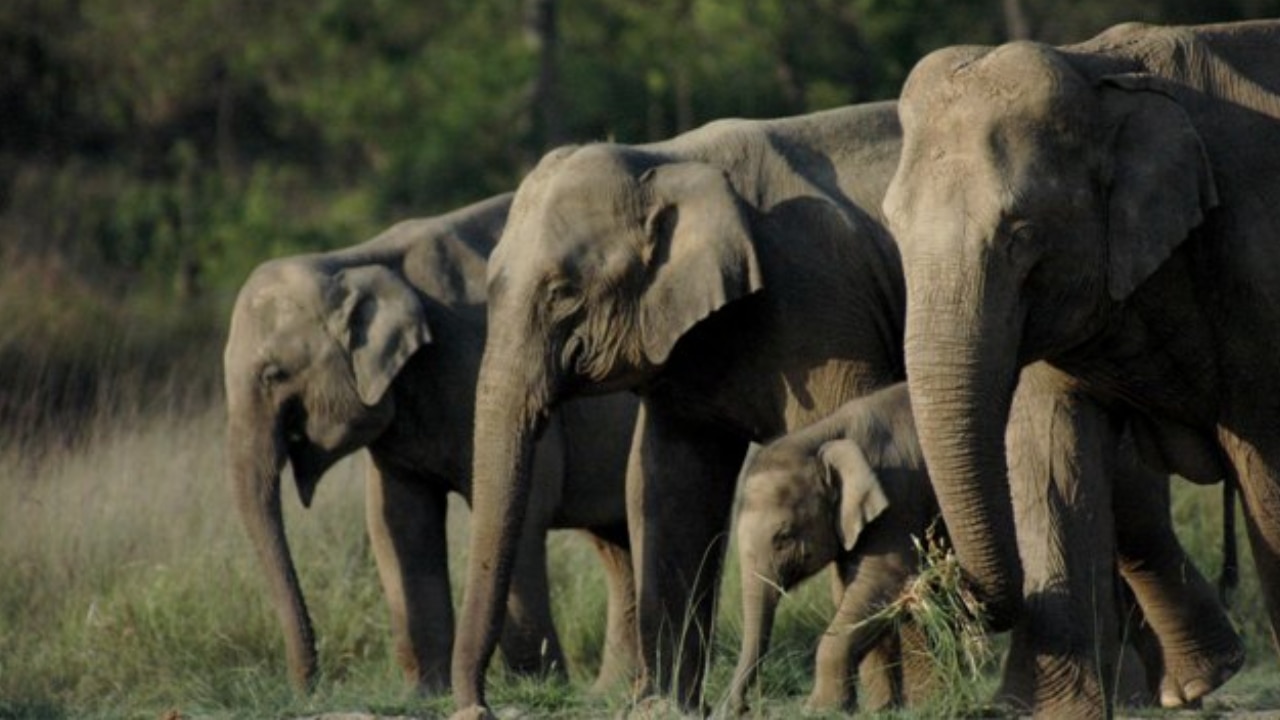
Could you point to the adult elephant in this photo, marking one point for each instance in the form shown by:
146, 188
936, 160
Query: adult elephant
739, 278
378, 346
1112, 207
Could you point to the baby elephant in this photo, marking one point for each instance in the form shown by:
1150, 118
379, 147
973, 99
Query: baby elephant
808, 500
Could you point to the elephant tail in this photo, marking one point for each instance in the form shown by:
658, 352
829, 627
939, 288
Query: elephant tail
1229, 577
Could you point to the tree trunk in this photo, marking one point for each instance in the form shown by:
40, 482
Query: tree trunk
542, 32
1016, 24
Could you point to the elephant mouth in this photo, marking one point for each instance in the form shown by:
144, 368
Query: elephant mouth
308, 466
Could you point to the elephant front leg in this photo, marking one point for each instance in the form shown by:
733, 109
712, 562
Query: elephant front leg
1199, 648
680, 483
1061, 449
857, 638
406, 519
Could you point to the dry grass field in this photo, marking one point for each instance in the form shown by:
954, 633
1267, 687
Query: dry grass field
127, 590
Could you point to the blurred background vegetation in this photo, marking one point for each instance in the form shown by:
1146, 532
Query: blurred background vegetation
152, 152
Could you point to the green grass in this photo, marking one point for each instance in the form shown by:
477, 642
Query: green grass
127, 589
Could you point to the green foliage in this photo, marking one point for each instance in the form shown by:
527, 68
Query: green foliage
164, 149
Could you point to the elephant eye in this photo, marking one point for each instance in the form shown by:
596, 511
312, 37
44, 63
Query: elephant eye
563, 299
561, 291
272, 375
1019, 243
1021, 231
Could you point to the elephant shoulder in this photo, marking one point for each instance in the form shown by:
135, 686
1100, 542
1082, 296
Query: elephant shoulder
448, 263
448, 269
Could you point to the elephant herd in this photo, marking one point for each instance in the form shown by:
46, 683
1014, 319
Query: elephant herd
1049, 275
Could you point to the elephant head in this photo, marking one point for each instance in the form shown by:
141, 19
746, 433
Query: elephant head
310, 356
800, 510
1034, 193
609, 257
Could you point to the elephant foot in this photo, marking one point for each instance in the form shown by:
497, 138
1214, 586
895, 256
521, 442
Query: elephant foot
656, 707
1189, 678
475, 712
614, 678
428, 684
1185, 686
1060, 687
606, 686
826, 699
737, 706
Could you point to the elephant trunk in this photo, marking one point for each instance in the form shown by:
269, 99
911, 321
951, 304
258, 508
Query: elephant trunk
508, 411
962, 368
760, 596
256, 457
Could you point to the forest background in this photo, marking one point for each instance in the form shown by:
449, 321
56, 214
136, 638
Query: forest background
152, 152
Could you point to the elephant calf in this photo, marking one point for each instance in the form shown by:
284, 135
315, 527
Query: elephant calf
852, 489
378, 346
809, 500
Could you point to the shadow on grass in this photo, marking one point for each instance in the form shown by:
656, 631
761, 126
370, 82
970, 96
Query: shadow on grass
31, 710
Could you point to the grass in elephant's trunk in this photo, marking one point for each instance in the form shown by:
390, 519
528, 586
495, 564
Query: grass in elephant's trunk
938, 603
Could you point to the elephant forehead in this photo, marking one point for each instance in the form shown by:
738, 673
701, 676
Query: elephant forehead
584, 239
1020, 83
278, 312
596, 175
287, 330
782, 487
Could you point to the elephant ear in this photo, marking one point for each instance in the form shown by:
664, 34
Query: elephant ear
699, 252
1160, 184
862, 499
378, 320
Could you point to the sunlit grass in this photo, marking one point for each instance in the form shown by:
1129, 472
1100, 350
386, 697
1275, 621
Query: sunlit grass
941, 605
130, 584
127, 589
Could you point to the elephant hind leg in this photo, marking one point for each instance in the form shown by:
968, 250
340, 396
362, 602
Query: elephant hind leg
1258, 468
406, 520
898, 672
529, 641
1199, 648
620, 661
879, 678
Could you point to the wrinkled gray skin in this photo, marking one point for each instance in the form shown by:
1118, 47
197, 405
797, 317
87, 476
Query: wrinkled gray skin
808, 499
378, 346
1111, 207
739, 278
